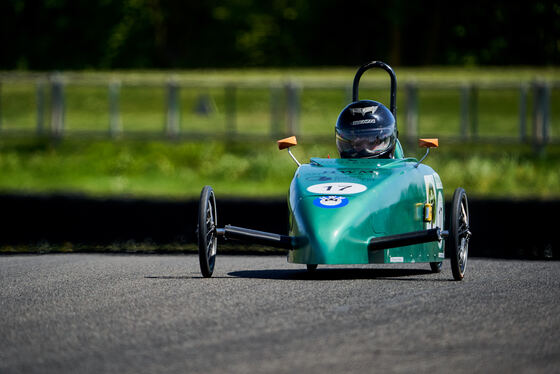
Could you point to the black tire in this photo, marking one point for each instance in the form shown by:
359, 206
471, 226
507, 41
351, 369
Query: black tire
311, 267
436, 266
459, 234
207, 238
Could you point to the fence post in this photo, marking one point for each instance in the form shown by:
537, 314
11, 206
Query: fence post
465, 105
275, 111
172, 123
523, 113
411, 92
292, 99
473, 111
115, 124
1, 113
231, 109
546, 112
541, 92
348, 95
40, 93
57, 106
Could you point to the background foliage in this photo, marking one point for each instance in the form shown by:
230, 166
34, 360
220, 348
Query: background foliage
105, 34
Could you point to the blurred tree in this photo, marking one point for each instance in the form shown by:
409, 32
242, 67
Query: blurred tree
55, 34
81, 34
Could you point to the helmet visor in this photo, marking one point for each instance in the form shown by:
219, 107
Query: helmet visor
365, 142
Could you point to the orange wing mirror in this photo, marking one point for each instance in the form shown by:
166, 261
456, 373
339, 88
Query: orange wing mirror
287, 142
428, 143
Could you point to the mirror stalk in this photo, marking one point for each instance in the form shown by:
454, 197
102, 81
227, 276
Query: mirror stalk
293, 157
423, 158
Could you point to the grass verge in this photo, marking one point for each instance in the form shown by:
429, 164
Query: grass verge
132, 247
253, 169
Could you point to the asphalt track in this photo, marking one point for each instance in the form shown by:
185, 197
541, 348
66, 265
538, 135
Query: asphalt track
83, 313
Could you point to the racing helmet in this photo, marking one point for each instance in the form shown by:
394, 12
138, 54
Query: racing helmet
366, 129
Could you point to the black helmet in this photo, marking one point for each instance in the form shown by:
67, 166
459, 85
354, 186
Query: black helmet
366, 129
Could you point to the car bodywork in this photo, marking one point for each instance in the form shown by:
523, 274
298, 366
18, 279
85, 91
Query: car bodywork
337, 206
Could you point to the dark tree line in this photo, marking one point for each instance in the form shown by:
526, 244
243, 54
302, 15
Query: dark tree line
103, 34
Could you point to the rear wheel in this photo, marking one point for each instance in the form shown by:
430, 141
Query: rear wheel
436, 266
459, 234
207, 238
311, 267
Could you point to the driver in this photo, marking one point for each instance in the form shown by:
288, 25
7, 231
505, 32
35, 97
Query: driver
366, 129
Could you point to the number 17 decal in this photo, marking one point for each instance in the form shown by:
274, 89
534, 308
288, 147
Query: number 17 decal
337, 188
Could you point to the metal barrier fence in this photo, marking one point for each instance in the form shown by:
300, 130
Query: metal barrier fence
284, 108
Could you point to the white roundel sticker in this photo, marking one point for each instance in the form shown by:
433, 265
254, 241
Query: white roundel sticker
337, 188
330, 201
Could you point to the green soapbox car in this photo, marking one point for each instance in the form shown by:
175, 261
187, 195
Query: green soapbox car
357, 211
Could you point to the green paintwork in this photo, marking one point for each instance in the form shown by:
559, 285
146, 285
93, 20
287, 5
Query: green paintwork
392, 203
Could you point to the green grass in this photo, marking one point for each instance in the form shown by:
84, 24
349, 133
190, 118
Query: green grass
19, 105
134, 247
180, 169
253, 169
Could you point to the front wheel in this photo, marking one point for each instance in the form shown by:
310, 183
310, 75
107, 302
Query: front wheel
207, 238
459, 234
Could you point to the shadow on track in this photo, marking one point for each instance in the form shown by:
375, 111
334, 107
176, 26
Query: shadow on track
167, 277
178, 277
332, 274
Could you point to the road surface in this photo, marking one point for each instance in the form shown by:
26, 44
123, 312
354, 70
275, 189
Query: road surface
88, 313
